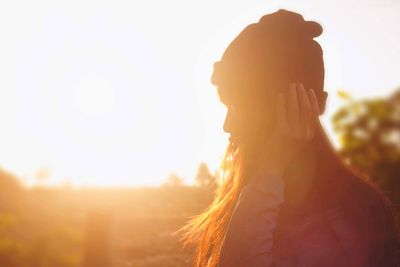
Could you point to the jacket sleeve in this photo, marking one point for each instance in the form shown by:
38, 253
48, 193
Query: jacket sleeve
248, 240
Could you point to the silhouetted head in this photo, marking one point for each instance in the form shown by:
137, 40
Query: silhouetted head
261, 61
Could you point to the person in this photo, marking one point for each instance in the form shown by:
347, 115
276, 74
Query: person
286, 198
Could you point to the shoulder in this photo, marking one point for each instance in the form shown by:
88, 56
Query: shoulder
346, 195
362, 221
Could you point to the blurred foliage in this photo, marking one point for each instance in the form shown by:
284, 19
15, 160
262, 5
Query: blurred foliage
174, 181
369, 136
205, 179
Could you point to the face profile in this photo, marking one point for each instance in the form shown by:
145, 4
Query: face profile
261, 62
194, 134
282, 177
236, 123
232, 124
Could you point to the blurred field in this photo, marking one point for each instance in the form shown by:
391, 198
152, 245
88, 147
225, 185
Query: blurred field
95, 227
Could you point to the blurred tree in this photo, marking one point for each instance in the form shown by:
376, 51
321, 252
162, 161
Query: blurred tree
174, 181
218, 177
369, 135
204, 178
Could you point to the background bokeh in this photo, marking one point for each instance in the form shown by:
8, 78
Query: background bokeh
111, 132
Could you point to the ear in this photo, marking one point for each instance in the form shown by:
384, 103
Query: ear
322, 102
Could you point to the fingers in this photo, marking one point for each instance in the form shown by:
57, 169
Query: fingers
314, 101
302, 111
315, 108
305, 105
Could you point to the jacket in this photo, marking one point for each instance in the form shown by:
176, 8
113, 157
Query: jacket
259, 234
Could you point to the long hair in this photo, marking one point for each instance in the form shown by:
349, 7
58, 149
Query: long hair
207, 230
263, 59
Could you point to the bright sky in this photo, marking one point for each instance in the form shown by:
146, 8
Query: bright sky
119, 92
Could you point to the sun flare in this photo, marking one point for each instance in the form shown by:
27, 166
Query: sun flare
111, 96
94, 96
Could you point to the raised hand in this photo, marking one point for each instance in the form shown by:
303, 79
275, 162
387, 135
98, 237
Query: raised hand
297, 115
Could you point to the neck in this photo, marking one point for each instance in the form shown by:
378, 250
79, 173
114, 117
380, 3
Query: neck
299, 176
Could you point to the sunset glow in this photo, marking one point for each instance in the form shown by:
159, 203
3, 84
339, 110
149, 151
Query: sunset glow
103, 94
